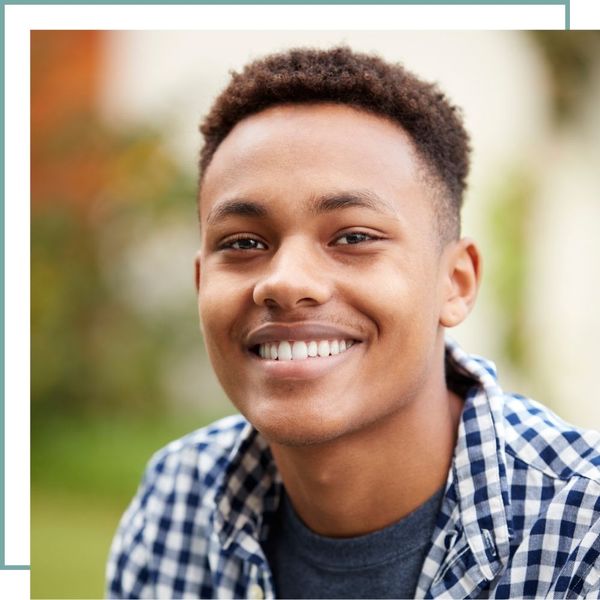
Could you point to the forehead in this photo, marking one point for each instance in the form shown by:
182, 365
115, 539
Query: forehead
302, 151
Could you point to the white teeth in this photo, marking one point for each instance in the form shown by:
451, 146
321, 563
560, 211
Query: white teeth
300, 350
284, 351
323, 349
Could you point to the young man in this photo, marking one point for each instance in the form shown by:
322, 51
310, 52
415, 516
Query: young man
374, 458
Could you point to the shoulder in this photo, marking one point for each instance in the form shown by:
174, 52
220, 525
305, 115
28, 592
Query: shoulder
171, 512
553, 471
188, 470
537, 438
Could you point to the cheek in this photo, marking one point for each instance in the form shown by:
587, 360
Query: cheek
220, 304
219, 307
402, 302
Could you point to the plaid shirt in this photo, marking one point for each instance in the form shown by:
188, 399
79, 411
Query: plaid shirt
520, 515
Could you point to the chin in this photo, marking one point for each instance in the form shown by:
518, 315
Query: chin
300, 437
301, 429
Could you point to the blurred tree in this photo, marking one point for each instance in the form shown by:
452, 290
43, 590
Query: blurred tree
65, 78
571, 58
91, 351
508, 229
572, 61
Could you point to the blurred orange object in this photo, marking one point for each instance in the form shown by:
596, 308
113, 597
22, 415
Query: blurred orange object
67, 156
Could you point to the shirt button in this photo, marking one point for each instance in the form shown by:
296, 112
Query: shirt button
256, 592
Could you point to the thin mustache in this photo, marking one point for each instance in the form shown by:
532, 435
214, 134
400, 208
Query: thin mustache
300, 330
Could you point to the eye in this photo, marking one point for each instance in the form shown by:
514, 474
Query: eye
242, 243
354, 237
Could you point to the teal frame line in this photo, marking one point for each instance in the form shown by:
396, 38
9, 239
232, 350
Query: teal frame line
2, 453
565, 3
2, 561
3, 565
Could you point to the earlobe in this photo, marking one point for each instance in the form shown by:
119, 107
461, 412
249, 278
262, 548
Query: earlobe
463, 277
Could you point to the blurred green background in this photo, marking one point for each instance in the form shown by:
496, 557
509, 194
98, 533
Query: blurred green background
118, 366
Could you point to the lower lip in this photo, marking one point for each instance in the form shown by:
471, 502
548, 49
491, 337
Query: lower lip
309, 368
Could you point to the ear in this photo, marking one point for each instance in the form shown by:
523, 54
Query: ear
197, 270
462, 276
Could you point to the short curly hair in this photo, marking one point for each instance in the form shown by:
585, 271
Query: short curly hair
365, 82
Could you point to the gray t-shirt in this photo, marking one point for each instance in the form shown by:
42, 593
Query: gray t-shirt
383, 564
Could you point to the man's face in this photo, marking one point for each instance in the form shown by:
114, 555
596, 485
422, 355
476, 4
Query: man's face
319, 233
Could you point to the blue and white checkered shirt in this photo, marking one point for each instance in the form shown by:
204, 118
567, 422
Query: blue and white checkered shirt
520, 515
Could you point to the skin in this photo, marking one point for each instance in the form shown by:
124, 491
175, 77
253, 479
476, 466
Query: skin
376, 270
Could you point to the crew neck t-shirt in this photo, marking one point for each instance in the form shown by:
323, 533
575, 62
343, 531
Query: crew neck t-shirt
382, 564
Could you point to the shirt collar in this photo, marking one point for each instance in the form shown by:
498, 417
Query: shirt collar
248, 494
479, 465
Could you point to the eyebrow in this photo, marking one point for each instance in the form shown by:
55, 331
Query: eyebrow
235, 207
318, 205
350, 199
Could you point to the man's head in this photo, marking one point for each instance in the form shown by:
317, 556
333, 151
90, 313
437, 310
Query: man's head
321, 243
364, 82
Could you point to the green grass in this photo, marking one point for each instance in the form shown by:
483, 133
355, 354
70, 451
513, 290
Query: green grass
70, 542
83, 475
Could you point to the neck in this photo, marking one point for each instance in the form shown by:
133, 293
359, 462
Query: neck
363, 482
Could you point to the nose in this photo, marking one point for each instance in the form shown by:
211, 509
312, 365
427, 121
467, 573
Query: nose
294, 277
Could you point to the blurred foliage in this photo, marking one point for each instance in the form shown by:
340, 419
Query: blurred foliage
103, 458
571, 57
91, 351
507, 227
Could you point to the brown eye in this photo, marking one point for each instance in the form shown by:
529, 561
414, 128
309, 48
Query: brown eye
354, 238
245, 243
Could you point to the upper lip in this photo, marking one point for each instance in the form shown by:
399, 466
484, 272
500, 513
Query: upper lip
305, 331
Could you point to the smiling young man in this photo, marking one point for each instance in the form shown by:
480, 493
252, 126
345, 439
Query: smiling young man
374, 458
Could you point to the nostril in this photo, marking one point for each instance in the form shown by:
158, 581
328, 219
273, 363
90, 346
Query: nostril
288, 303
306, 301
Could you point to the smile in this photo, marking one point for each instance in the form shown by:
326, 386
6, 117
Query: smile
302, 350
